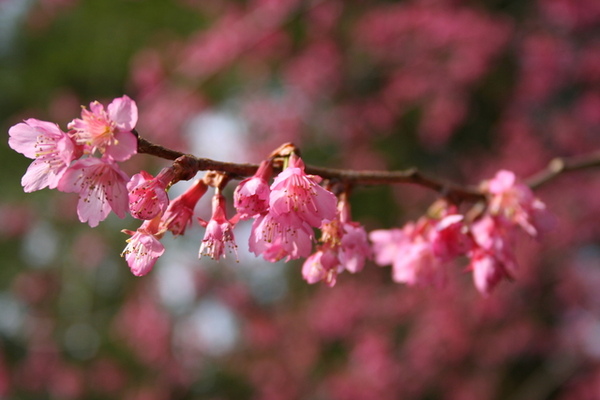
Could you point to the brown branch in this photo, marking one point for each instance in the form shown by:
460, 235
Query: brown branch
454, 192
559, 166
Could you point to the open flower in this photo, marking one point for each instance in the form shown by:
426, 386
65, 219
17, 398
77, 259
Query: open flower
101, 186
344, 246
492, 257
52, 150
143, 247
108, 131
411, 254
278, 237
516, 202
295, 192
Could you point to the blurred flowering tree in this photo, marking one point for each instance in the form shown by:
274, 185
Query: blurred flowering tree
458, 89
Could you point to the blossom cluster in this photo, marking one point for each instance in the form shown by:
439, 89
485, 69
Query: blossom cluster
420, 251
286, 213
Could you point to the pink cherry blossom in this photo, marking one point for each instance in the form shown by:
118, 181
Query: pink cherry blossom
144, 247
386, 244
295, 192
344, 247
147, 194
52, 150
251, 196
276, 237
516, 202
181, 210
323, 265
101, 186
410, 252
108, 131
449, 238
488, 271
219, 232
354, 247
492, 257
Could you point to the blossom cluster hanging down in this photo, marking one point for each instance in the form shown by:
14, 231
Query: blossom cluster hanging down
286, 209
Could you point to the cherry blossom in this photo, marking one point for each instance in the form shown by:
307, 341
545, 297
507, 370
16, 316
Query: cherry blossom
101, 186
516, 202
219, 232
411, 254
51, 148
251, 196
492, 257
108, 131
143, 247
178, 215
295, 192
449, 238
323, 265
344, 247
276, 237
147, 194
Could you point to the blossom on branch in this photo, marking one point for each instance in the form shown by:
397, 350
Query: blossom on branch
492, 257
278, 237
108, 131
51, 148
101, 186
516, 202
143, 247
251, 196
344, 247
419, 251
296, 193
148, 195
297, 203
178, 215
219, 232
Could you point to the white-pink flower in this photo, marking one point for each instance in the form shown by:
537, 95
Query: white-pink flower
251, 196
143, 247
51, 148
148, 195
108, 131
101, 186
219, 232
295, 192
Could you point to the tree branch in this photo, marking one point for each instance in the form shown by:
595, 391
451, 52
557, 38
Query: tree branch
454, 192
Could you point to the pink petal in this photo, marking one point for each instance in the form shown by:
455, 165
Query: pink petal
123, 111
